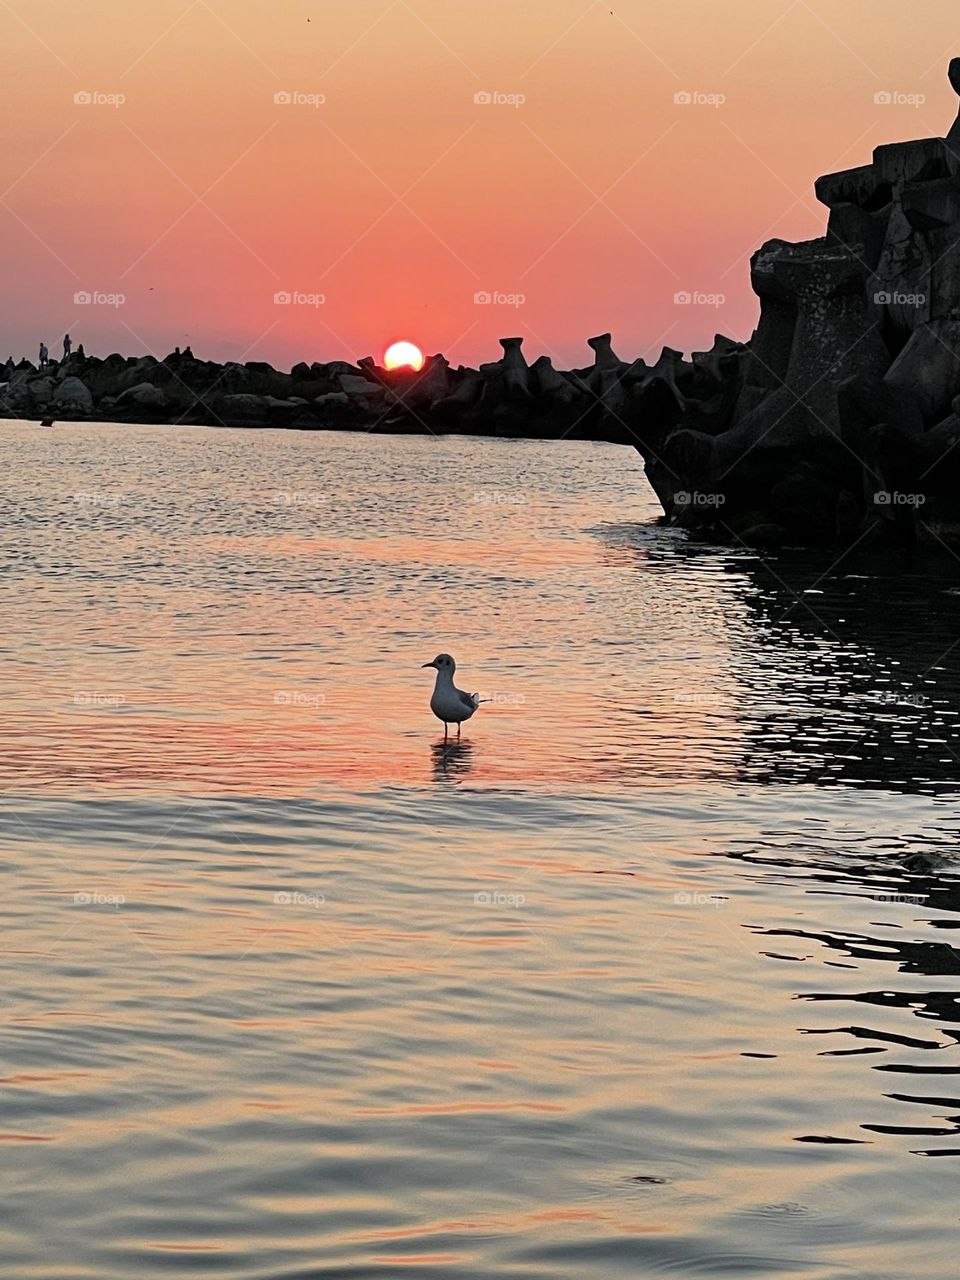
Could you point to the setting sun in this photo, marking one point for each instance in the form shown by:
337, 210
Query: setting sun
403, 355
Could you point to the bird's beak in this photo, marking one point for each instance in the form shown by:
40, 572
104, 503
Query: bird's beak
428, 664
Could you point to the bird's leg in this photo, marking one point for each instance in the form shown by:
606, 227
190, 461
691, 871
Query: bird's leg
446, 729
459, 727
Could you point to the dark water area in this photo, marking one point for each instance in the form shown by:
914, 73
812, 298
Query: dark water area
651, 974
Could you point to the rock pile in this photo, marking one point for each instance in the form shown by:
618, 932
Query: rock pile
839, 420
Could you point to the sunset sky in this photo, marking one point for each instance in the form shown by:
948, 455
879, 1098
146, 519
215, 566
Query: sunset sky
584, 195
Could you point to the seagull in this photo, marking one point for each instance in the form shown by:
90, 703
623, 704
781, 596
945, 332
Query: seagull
450, 704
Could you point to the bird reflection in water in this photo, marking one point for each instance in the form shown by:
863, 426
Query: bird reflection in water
451, 759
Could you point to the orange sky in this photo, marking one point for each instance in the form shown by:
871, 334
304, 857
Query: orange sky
596, 200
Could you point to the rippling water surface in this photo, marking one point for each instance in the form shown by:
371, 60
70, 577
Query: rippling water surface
651, 974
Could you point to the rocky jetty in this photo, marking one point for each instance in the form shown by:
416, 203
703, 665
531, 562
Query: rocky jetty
836, 423
507, 397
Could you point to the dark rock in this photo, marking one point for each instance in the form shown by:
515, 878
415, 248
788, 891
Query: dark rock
243, 409
834, 422
372, 394
514, 370
551, 384
73, 397
144, 397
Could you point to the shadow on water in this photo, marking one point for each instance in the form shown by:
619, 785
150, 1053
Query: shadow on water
867, 690
846, 668
452, 759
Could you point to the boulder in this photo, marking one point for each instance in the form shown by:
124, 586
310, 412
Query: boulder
18, 397
72, 394
359, 388
143, 396
432, 384
243, 408
551, 384
467, 389
42, 390
282, 412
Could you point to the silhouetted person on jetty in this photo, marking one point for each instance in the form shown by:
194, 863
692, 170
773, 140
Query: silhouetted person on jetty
67, 346
44, 355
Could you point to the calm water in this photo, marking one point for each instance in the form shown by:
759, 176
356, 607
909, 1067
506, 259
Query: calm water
653, 974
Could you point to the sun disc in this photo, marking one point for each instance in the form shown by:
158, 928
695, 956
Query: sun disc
403, 355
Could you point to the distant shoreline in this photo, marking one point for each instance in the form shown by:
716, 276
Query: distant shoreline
506, 398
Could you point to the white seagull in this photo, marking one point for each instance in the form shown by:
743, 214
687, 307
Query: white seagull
450, 704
